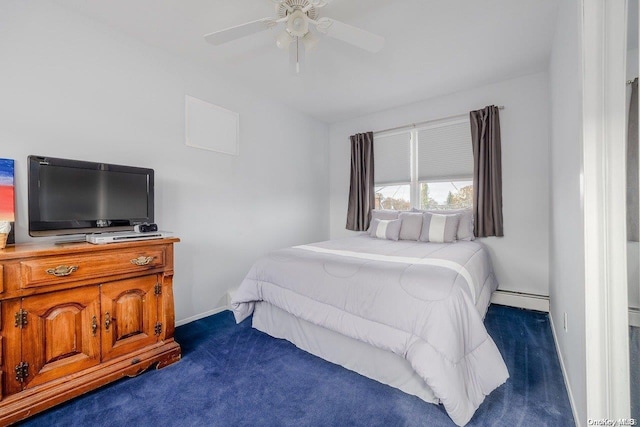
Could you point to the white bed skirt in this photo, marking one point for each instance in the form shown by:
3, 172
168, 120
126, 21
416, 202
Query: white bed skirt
372, 362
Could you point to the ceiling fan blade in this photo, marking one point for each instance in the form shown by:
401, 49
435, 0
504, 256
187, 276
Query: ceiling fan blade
319, 3
223, 36
349, 34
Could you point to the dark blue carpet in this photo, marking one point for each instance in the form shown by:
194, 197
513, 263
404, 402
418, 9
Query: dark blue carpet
233, 375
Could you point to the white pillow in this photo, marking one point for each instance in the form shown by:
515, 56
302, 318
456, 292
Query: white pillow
384, 214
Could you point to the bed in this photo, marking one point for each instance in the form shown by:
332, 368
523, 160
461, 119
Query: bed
408, 314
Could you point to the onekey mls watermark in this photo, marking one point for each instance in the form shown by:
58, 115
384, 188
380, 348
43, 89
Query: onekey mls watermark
612, 422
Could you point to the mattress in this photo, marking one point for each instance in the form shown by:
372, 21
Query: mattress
422, 302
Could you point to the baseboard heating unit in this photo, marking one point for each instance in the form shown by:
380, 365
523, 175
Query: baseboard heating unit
521, 300
125, 236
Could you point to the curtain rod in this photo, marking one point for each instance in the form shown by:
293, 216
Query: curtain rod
413, 125
630, 81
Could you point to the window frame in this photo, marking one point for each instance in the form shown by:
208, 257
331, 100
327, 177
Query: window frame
414, 184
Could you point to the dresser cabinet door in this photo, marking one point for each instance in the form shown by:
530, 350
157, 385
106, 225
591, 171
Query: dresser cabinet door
61, 334
129, 315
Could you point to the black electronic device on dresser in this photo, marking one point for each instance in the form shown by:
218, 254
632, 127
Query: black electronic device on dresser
79, 197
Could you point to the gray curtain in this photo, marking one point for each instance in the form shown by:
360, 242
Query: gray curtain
633, 190
487, 172
361, 191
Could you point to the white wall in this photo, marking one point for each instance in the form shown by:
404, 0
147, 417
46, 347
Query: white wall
74, 88
566, 283
521, 258
632, 64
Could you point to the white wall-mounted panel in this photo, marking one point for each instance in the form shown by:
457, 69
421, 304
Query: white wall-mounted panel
211, 127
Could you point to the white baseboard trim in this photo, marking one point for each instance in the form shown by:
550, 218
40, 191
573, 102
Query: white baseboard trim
521, 300
564, 373
201, 315
230, 294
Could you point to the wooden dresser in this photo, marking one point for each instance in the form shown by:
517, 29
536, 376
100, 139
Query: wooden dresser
74, 317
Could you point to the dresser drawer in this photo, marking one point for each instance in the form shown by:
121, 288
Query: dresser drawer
60, 269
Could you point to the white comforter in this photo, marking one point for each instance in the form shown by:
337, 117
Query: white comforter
415, 299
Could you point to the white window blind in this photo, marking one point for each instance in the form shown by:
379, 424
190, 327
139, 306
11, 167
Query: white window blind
392, 158
444, 152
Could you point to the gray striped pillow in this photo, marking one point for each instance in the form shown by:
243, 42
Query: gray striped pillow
385, 229
439, 228
465, 227
382, 214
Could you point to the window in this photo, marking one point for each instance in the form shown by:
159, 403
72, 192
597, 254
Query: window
429, 167
396, 197
393, 171
446, 195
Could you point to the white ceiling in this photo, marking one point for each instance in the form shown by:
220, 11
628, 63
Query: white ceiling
433, 47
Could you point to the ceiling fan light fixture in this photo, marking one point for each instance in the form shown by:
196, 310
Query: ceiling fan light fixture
297, 24
283, 40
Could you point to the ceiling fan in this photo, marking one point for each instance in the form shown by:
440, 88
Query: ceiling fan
298, 16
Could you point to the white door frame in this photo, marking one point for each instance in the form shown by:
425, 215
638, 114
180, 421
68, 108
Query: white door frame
604, 192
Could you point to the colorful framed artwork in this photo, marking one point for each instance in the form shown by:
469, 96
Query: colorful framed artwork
7, 195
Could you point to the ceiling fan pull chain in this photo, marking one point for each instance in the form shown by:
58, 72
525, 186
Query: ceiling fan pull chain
297, 55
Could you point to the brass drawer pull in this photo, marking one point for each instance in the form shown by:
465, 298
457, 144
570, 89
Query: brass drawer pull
142, 260
62, 270
94, 326
108, 320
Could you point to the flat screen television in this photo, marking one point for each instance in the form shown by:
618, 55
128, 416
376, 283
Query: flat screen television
78, 197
